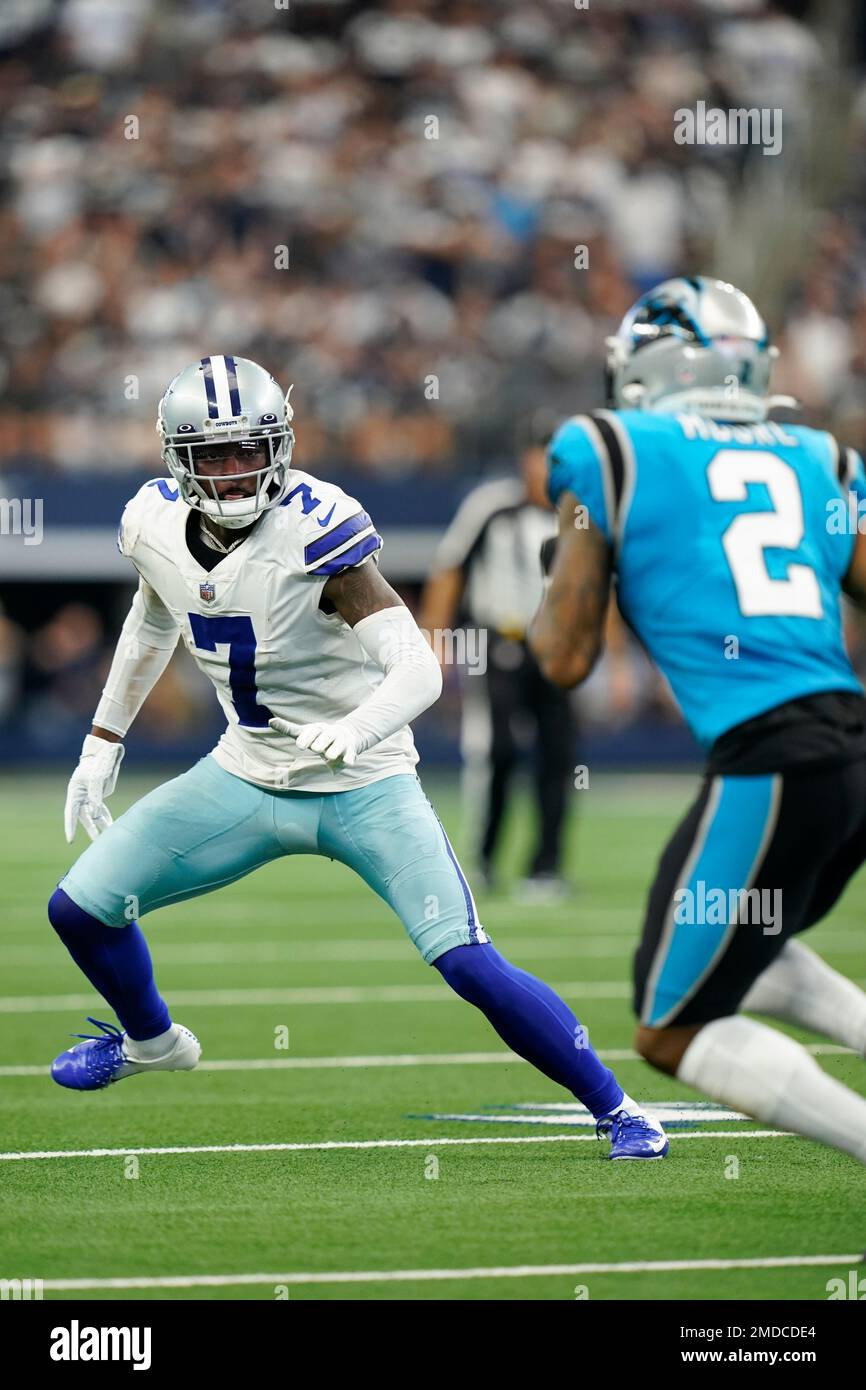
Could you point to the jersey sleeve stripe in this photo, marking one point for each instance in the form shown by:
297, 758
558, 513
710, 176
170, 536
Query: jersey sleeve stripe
338, 536
837, 462
367, 545
614, 462
843, 461
590, 426
623, 468
850, 467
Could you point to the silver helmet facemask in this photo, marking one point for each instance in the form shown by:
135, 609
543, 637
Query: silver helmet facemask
226, 400
693, 346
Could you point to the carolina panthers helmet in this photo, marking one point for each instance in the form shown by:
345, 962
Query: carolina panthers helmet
693, 345
220, 400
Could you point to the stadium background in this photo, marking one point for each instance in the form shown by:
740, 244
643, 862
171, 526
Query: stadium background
160, 161
257, 128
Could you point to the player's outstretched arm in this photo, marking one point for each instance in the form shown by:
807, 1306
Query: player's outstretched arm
147, 640
391, 638
566, 634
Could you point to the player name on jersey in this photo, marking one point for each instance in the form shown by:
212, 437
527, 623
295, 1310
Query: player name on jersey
766, 432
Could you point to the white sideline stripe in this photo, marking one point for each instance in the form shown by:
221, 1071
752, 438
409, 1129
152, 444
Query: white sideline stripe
226, 913
375, 1276
399, 1059
405, 1059
580, 1117
326, 994
326, 1144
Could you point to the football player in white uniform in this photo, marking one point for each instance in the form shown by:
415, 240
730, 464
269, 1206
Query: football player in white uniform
270, 578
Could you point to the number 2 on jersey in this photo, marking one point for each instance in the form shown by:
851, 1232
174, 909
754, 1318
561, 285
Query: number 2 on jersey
238, 635
752, 533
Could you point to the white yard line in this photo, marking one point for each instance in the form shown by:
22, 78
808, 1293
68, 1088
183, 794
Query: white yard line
352, 951
320, 995
324, 1145
398, 1059
406, 1276
305, 911
313, 996
324, 952
404, 1059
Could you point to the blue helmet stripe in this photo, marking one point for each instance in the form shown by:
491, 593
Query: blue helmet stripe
234, 393
210, 388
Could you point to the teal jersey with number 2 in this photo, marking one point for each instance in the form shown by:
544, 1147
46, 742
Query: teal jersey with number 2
730, 543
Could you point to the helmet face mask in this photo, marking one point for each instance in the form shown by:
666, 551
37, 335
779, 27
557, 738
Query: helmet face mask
227, 407
693, 346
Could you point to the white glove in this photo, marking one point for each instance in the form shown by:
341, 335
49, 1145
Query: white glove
92, 781
337, 743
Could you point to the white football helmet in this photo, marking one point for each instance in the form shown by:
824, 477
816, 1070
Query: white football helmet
223, 400
696, 346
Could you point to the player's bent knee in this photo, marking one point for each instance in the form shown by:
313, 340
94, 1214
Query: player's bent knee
663, 1048
60, 908
647, 1044
65, 916
465, 969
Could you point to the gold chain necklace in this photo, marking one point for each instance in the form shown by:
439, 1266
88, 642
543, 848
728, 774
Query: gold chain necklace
214, 543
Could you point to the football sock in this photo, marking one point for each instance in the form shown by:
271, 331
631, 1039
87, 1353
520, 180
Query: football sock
116, 961
150, 1049
800, 988
630, 1106
533, 1021
752, 1068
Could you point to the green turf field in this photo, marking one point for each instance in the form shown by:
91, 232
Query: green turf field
377, 1045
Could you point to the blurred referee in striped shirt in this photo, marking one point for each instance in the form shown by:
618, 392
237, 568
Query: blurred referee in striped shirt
487, 575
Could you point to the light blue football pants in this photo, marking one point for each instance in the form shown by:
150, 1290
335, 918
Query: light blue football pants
207, 828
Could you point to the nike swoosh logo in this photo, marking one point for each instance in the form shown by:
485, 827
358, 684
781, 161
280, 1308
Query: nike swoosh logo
324, 522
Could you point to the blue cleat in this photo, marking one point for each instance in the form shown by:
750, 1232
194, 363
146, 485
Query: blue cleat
99, 1060
632, 1136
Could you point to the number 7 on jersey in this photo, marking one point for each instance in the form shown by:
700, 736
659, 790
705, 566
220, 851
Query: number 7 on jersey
238, 635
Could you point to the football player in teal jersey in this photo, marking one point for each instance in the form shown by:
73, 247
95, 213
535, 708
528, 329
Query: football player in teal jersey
729, 538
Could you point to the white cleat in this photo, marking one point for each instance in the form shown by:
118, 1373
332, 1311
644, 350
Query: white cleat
183, 1055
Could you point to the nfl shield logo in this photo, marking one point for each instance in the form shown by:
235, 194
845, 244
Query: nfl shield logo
207, 592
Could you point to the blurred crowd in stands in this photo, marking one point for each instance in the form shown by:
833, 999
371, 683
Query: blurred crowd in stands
51, 679
382, 203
